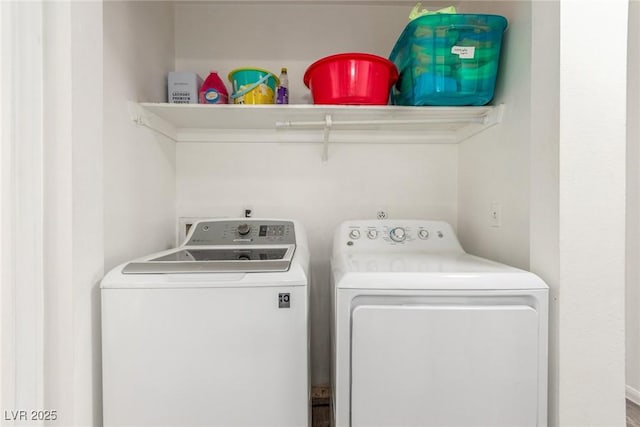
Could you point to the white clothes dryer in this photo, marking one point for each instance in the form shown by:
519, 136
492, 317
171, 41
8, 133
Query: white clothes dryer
425, 334
212, 333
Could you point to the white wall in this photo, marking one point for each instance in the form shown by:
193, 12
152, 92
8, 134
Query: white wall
58, 126
544, 178
54, 225
592, 148
633, 206
494, 165
86, 205
139, 192
22, 218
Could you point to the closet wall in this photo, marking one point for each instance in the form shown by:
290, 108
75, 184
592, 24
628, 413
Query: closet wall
544, 201
592, 149
139, 165
494, 165
633, 206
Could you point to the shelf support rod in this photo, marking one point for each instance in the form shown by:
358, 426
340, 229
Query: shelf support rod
325, 144
317, 124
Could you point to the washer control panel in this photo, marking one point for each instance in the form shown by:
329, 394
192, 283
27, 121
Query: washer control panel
246, 231
415, 234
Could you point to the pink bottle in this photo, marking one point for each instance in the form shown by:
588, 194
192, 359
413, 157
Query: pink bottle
213, 90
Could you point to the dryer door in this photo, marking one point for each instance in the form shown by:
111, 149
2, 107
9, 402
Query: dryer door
466, 363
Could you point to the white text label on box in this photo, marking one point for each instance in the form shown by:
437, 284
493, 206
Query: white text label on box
464, 52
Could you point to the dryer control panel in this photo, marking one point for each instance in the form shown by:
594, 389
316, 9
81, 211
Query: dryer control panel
246, 231
413, 235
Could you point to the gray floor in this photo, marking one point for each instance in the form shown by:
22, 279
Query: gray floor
321, 415
633, 414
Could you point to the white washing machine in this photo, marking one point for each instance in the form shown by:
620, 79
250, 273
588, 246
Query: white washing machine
212, 333
425, 334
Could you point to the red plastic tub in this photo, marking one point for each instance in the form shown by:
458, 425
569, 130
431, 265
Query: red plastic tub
351, 79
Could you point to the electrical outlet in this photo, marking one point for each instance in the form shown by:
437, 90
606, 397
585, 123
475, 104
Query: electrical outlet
495, 214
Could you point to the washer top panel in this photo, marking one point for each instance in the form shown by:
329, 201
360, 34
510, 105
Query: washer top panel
215, 259
239, 245
246, 231
242, 254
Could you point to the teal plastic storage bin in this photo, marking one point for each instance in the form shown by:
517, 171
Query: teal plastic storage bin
448, 59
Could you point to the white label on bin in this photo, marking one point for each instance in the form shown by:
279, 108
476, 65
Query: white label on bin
464, 52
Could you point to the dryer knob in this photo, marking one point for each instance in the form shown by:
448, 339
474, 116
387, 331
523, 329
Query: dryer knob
354, 234
372, 234
423, 234
398, 234
244, 229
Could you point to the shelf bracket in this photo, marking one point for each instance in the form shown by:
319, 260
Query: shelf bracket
495, 116
142, 117
325, 140
492, 118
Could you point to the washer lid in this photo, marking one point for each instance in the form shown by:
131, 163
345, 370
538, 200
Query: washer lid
210, 259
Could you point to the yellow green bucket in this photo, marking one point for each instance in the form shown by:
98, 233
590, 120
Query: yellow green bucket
253, 86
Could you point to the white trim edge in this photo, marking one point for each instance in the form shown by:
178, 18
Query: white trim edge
632, 394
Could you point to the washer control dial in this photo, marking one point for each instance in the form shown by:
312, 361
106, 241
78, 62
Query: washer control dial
372, 234
354, 234
244, 229
423, 234
398, 234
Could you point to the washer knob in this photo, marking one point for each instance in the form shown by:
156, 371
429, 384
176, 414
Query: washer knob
372, 234
423, 234
398, 234
354, 234
244, 229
